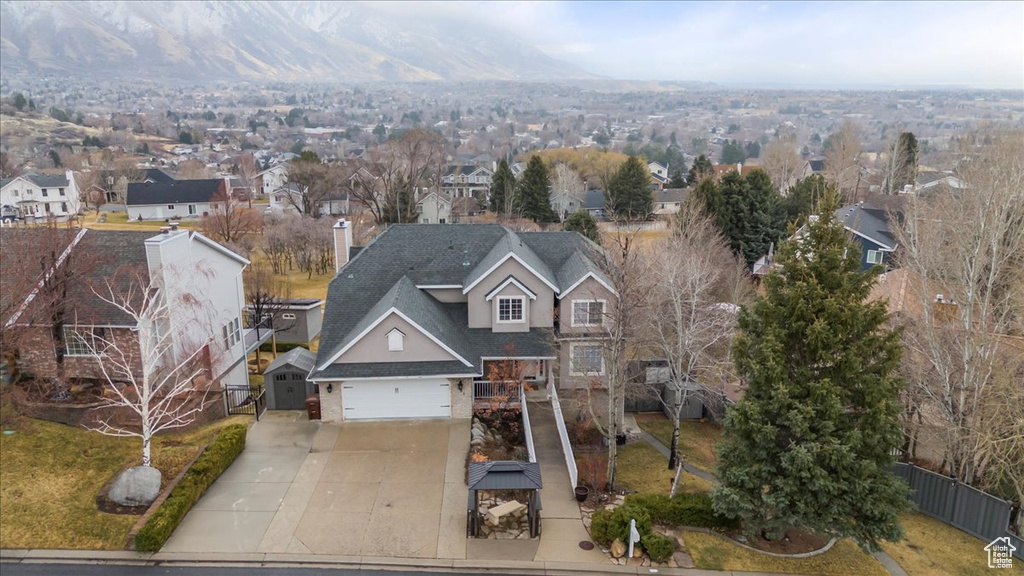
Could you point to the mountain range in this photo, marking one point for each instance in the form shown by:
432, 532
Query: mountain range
272, 40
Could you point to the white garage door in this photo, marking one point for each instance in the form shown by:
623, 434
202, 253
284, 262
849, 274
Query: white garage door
404, 398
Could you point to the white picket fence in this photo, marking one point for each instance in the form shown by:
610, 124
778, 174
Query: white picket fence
563, 435
527, 431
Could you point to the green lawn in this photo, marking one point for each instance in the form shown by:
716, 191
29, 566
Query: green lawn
696, 439
50, 475
932, 548
642, 468
714, 552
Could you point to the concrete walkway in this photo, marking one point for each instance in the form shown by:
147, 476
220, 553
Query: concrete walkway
562, 527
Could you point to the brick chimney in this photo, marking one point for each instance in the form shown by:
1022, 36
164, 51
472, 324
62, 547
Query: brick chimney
342, 242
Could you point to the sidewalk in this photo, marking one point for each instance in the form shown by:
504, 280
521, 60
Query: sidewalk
259, 560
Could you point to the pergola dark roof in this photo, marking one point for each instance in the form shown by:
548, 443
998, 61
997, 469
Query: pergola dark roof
504, 475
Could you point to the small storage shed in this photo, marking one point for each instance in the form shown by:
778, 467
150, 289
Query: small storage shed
285, 380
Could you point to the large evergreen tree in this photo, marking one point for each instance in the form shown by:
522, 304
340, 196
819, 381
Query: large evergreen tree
748, 209
803, 196
629, 190
534, 191
582, 222
732, 153
503, 185
906, 152
700, 170
677, 181
810, 442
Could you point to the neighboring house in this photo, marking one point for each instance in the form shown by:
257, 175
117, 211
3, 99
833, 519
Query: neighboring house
419, 318
517, 168
659, 175
564, 203
460, 181
932, 179
669, 201
294, 320
40, 196
869, 230
285, 380
202, 278
465, 208
157, 175
174, 199
434, 208
272, 178
743, 169
596, 204
812, 167
289, 198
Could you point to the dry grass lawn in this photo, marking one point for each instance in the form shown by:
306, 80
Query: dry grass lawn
714, 552
50, 475
119, 221
642, 468
696, 439
932, 548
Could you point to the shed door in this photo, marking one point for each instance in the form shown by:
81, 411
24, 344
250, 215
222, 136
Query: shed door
290, 394
400, 398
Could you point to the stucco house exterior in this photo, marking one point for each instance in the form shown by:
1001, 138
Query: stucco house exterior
40, 196
415, 321
434, 208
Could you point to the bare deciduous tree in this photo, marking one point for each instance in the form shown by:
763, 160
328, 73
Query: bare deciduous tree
165, 392
567, 190
964, 251
266, 297
388, 181
192, 169
842, 160
782, 163
316, 183
685, 321
247, 171
231, 221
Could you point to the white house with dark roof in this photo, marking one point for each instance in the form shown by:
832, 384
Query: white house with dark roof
40, 196
416, 320
175, 199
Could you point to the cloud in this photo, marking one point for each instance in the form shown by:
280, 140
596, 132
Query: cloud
976, 43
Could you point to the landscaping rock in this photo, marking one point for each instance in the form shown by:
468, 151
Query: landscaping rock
618, 549
137, 486
682, 560
637, 552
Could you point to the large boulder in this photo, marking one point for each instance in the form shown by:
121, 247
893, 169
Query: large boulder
137, 486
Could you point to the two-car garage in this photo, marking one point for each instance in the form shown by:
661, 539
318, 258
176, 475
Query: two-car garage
396, 398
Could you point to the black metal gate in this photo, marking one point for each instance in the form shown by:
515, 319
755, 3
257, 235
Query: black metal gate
245, 400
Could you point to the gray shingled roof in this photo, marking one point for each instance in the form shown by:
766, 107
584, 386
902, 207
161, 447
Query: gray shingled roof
511, 243
172, 192
386, 272
868, 221
300, 358
41, 180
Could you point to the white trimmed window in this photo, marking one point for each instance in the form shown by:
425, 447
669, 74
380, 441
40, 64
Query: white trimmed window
232, 333
396, 340
170, 206
82, 341
511, 308
587, 312
586, 359
287, 316
874, 256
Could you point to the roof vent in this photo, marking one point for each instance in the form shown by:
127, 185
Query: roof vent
165, 229
451, 245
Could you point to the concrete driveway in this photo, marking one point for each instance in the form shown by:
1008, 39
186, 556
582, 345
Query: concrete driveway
359, 489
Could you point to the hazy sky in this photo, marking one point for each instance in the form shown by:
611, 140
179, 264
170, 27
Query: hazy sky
974, 43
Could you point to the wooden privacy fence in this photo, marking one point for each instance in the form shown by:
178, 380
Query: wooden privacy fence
959, 505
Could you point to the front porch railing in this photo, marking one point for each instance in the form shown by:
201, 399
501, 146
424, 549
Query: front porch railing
488, 390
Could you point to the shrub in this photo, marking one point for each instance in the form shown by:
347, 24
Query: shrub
282, 347
683, 510
658, 547
606, 526
217, 457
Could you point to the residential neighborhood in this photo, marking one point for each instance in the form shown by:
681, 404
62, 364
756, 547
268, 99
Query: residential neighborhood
334, 286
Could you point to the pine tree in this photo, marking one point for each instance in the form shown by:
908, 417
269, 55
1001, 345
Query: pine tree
677, 181
810, 442
803, 196
583, 223
700, 170
630, 190
534, 190
502, 187
748, 209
